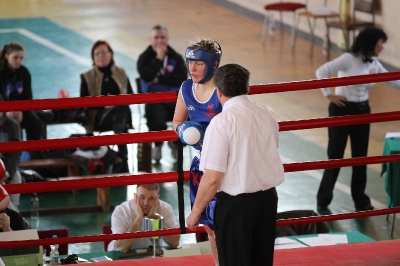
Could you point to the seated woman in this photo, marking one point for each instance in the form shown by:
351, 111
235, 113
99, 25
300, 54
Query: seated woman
105, 78
15, 85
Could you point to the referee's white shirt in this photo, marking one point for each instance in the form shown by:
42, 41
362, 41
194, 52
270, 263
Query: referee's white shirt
242, 142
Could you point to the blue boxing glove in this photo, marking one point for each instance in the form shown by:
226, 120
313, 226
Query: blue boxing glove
191, 133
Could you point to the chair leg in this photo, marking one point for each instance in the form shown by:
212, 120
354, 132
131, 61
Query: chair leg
265, 27
394, 217
294, 30
312, 28
346, 39
297, 25
328, 45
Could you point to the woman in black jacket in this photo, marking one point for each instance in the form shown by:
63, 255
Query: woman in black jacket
15, 85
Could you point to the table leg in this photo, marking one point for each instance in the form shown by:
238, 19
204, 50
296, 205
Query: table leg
391, 232
103, 198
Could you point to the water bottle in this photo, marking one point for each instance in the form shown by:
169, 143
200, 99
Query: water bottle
34, 211
54, 254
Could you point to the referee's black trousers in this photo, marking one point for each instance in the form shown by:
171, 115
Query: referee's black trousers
245, 226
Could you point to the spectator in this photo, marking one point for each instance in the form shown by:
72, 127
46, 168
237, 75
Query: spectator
128, 217
15, 85
351, 100
10, 131
161, 69
105, 78
10, 220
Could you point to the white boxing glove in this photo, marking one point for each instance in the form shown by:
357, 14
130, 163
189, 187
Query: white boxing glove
191, 133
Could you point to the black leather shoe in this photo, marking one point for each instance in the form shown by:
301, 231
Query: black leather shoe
368, 207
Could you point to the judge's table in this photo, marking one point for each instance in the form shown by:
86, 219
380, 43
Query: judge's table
392, 170
203, 247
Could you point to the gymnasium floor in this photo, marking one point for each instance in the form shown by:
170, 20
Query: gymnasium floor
58, 35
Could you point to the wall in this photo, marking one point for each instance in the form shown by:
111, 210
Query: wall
387, 18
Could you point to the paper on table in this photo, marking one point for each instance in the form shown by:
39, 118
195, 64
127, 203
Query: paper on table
182, 252
324, 240
101, 258
284, 240
204, 247
82, 260
285, 243
393, 135
336, 238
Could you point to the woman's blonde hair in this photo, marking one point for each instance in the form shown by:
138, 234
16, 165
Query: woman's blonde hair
205, 44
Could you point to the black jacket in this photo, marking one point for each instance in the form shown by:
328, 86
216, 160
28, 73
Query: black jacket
149, 67
16, 85
16, 220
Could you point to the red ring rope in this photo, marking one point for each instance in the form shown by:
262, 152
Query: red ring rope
95, 238
47, 104
116, 181
169, 135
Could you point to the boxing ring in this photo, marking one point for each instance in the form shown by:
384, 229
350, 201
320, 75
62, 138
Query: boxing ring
180, 175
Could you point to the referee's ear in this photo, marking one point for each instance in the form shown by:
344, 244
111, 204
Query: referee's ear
219, 93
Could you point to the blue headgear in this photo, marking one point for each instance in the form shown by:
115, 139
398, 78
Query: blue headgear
193, 53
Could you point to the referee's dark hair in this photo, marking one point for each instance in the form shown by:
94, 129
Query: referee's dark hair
232, 80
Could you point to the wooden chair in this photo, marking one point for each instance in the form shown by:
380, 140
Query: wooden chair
353, 23
62, 232
281, 7
106, 229
321, 12
45, 163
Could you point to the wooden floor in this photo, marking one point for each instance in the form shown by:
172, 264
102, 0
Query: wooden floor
126, 25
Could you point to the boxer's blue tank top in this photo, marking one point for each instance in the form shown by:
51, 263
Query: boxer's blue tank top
201, 112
